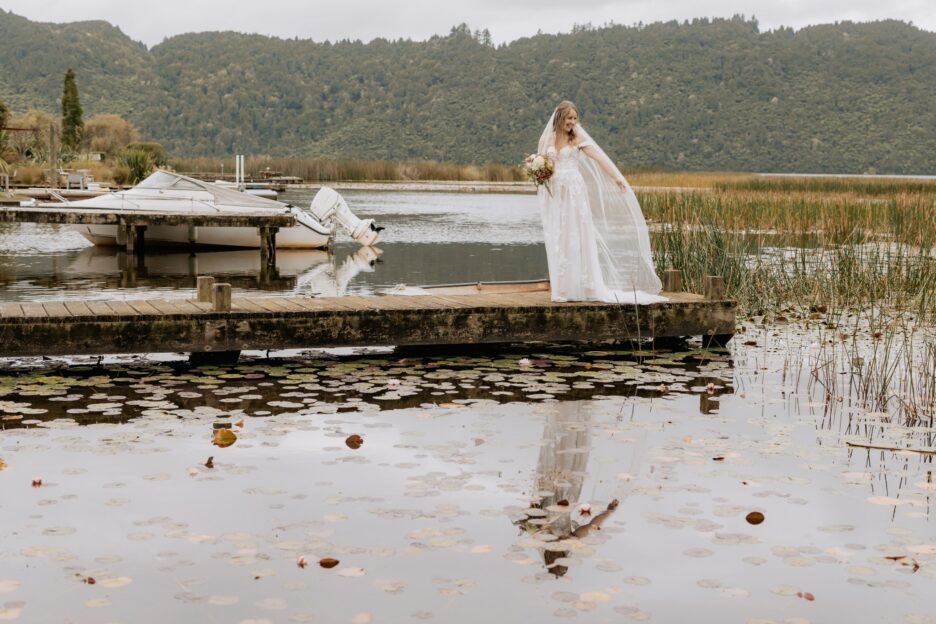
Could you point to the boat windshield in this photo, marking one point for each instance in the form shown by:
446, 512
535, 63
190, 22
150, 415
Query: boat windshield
168, 181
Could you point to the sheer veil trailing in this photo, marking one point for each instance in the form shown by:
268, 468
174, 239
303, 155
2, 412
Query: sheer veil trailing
621, 231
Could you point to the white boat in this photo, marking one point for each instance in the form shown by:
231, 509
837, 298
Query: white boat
167, 192
258, 189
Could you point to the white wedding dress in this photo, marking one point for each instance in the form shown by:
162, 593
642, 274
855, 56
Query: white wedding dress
597, 243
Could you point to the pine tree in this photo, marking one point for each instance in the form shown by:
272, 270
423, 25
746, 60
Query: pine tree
72, 124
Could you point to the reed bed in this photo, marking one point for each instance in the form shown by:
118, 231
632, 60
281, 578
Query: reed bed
857, 185
852, 263
780, 252
348, 170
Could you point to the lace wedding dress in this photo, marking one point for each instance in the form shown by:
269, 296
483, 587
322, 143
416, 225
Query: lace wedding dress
597, 242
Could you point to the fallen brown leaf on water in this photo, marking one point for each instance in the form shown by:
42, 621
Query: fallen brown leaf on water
755, 517
563, 503
328, 562
896, 557
37, 482
718, 458
3, 464
223, 438
210, 462
239, 423
806, 596
301, 561
354, 441
89, 580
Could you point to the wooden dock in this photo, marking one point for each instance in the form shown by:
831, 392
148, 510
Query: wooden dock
216, 323
132, 225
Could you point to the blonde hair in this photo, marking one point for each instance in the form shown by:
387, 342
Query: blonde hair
562, 111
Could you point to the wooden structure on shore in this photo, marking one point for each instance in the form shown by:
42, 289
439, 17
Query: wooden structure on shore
213, 323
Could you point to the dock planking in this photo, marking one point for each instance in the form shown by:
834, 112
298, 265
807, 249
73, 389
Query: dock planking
259, 323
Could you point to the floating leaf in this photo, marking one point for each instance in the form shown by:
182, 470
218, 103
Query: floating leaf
328, 562
210, 462
223, 438
116, 581
806, 596
7, 586
354, 441
755, 517
886, 500
301, 561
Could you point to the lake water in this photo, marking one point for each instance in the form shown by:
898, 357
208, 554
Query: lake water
431, 238
169, 493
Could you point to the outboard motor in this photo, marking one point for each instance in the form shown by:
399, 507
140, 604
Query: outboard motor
328, 204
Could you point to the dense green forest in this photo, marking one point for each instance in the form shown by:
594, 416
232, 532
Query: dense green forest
710, 94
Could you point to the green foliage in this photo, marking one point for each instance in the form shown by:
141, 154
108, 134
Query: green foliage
701, 95
109, 134
4, 138
139, 162
154, 151
72, 123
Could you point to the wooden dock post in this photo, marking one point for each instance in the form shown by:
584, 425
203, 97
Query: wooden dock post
713, 287
139, 233
205, 287
222, 297
129, 238
268, 245
672, 280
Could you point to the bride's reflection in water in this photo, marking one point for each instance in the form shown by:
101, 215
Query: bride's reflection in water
557, 513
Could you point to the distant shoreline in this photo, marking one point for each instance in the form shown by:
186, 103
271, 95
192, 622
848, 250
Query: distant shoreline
424, 186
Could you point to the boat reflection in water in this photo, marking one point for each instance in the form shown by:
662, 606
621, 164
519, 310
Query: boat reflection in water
297, 271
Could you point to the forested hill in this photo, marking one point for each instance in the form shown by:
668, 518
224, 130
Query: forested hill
703, 95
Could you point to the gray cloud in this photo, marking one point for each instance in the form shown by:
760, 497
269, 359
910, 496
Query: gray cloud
419, 19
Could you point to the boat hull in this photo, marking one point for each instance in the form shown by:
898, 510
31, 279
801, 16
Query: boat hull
296, 237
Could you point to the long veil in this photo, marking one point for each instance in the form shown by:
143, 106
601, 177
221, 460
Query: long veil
620, 229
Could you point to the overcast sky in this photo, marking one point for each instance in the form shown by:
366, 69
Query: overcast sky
151, 22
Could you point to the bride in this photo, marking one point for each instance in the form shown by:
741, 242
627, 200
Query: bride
597, 244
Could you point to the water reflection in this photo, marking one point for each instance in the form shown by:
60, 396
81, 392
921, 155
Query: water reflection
95, 272
560, 472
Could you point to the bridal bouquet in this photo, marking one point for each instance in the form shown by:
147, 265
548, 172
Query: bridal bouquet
539, 169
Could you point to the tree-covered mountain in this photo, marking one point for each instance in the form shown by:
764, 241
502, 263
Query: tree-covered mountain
710, 94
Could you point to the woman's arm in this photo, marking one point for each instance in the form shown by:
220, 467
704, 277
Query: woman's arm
606, 165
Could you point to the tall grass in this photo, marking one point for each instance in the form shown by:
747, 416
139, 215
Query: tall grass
780, 253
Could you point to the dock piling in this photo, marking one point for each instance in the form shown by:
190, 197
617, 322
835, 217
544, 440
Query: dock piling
222, 297
139, 233
205, 287
267, 245
713, 287
672, 280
